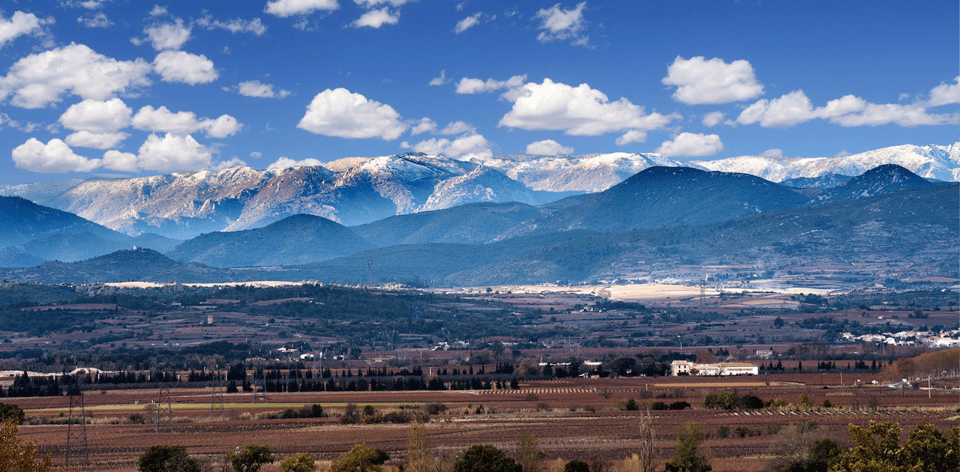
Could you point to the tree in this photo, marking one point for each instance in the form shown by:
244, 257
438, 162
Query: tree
361, 458
165, 458
251, 458
646, 452
529, 455
418, 455
301, 462
9, 410
687, 456
485, 458
778, 322
927, 449
16, 456
802, 447
576, 465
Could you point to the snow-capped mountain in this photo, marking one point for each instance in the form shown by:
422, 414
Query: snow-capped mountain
355, 191
930, 162
589, 173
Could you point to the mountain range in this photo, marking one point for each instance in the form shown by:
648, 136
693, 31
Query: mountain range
660, 216
358, 191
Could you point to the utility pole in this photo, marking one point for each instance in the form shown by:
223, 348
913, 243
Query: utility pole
76, 434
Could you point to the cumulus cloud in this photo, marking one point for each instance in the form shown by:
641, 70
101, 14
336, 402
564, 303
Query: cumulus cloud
632, 136
701, 81
286, 163
285, 8
691, 145
237, 25
55, 157
467, 23
466, 147
255, 88
173, 153
345, 114
166, 36
795, 108
180, 66
93, 140
183, 123
442, 80
470, 86
548, 147
558, 24
425, 125
97, 116
713, 119
18, 25
121, 161
377, 18
98, 20
579, 111
41, 79
945, 94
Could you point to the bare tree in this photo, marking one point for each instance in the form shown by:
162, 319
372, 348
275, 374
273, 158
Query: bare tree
646, 453
418, 449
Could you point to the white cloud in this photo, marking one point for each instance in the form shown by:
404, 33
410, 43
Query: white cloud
902, 115
440, 80
713, 119
423, 126
173, 153
122, 161
467, 23
255, 88
470, 86
548, 147
560, 25
18, 25
286, 163
180, 66
459, 127
945, 94
234, 162
373, 3
788, 110
350, 115
98, 20
40, 79
377, 18
466, 147
285, 8
93, 140
158, 11
183, 123
795, 108
166, 36
579, 111
632, 136
700, 81
691, 145
236, 25
97, 116
54, 157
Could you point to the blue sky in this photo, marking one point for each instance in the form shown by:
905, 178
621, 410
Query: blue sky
123, 88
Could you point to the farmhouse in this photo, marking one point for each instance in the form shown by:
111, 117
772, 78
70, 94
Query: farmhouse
720, 368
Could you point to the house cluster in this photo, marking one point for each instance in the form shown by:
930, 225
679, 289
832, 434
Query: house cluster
926, 338
718, 368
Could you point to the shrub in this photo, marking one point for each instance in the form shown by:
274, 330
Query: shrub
681, 405
164, 458
658, 406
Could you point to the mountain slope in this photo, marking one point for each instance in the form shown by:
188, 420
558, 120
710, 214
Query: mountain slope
475, 223
299, 239
134, 264
882, 179
22, 221
667, 196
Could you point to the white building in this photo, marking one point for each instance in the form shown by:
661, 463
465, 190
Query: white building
719, 368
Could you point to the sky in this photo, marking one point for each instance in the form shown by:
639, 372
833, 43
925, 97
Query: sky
124, 88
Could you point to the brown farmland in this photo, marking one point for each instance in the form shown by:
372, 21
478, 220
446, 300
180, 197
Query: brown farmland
573, 419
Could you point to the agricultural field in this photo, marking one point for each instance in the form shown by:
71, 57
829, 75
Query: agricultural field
578, 418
